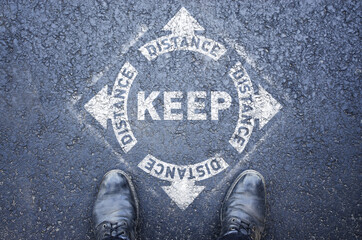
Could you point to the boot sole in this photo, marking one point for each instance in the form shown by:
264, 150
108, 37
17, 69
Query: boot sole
231, 188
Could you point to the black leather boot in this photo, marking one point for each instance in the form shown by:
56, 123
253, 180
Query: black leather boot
116, 211
243, 210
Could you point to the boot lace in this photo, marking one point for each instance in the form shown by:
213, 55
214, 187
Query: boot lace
114, 231
235, 224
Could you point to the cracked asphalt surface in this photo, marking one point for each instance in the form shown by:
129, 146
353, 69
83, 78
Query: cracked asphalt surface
55, 56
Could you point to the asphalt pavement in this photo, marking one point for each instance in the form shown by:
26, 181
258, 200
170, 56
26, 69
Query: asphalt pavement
184, 96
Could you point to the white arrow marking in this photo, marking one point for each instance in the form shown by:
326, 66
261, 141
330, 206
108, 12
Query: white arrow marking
103, 106
99, 106
265, 107
182, 27
183, 24
183, 192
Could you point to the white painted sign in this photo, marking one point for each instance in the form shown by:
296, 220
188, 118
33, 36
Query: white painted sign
253, 104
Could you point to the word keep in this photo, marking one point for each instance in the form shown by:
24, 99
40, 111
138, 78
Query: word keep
172, 104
